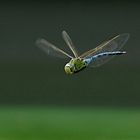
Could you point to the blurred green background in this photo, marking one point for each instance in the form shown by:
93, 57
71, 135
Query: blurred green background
39, 101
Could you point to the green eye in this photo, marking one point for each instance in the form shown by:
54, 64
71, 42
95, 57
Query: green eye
68, 70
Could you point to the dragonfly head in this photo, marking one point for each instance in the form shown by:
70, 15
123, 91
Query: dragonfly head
69, 68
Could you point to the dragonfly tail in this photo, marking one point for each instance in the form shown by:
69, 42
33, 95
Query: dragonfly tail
93, 58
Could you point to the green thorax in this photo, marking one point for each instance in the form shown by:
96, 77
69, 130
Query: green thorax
78, 64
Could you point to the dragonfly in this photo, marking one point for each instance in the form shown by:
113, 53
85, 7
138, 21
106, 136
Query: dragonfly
92, 58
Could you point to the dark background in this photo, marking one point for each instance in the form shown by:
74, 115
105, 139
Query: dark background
29, 76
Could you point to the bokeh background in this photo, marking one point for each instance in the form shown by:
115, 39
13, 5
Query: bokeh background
39, 101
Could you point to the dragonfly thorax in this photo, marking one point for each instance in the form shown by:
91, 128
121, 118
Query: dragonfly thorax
75, 65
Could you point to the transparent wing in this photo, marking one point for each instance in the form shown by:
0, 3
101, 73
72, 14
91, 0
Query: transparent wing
69, 43
51, 49
113, 44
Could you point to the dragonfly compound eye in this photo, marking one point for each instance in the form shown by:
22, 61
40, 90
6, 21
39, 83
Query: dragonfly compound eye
68, 69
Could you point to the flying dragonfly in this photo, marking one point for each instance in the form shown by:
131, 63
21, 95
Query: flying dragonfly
91, 58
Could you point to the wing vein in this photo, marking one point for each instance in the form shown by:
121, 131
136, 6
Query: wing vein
69, 42
51, 49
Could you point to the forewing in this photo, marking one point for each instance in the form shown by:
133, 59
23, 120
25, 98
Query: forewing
113, 44
51, 49
69, 43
